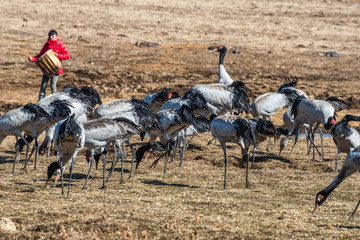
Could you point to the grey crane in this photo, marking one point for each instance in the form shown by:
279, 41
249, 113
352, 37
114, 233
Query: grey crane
313, 112
80, 102
230, 128
99, 133
15, 121
351, 165
156, 100
69, 139
345, 137
172, 121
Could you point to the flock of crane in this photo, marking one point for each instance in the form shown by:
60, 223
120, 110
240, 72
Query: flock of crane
166, 115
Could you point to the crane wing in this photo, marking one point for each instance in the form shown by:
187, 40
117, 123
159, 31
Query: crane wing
337, 103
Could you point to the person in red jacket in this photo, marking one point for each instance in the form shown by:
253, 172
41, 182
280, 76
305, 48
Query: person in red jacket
60, 51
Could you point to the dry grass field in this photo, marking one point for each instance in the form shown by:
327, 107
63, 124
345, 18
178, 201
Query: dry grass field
275, 40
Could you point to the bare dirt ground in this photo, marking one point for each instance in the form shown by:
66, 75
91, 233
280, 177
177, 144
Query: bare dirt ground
276, 39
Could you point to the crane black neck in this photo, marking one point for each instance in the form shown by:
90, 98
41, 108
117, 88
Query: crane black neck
222, 55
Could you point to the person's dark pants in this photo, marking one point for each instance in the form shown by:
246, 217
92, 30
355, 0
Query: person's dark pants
44, 83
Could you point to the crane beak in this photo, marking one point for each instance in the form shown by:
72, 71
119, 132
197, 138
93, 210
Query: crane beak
316, 208
57, 177
214, 50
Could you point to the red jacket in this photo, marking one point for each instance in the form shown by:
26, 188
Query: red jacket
61, 50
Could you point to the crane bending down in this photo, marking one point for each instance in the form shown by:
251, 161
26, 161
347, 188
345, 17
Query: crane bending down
345, 137
351, 165
144, 119
172, 121
263, 129
99, 133
15, 121
69, 139
267, 104
219, 98
313, 112
156, 100
230, 128
80, 102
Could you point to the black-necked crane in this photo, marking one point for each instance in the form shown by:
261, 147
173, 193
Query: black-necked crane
230, 128
224, 77
69, 139
263, 129
119, 105
351, 165
144, 119
172, 121
267, 104
313, 112
81, 102
219, 98
57, 110
345, 137
15, 121
99, 133
156, 100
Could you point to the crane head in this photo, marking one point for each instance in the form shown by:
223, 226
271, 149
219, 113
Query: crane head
53, 167
320, 199
330, 123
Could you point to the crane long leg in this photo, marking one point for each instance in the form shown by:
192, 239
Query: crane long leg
71, 170
353, 213
188, 142
182, 151
322, 141
253, 157
314, 147
156, 161
62, 176
17, 155
114, 162
122, 169
268, 146
48, 149
223, 146
133, 158
104, 168
168, 150
313, 142
177, 144
296, 139
27, 148
337, 160
34, 149
91, 164
124, 150
36, 153
309, 137
247, 169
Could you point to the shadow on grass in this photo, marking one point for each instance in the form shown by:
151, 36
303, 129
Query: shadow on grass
119, 170
160, 183
6, 160
341, 226
78, 176
266, 157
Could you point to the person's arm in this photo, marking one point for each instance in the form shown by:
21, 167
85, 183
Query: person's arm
43, 50
64, 53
